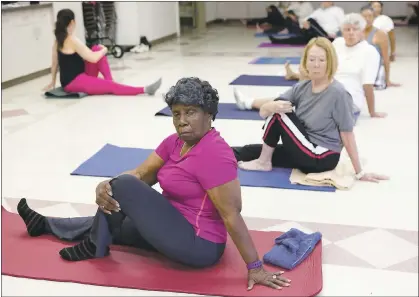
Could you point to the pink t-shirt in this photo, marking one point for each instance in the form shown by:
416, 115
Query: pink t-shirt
184, 180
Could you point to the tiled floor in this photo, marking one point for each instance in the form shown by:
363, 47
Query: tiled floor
370, 238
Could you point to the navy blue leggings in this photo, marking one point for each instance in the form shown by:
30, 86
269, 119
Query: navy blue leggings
147, 220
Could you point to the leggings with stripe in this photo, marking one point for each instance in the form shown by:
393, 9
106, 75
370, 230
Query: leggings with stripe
296, 151
89, 83
303, 36
147, 221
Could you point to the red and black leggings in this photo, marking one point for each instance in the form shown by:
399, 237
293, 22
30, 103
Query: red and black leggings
296, 151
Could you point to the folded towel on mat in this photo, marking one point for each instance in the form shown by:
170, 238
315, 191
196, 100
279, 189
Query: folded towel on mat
292, 248
342, 177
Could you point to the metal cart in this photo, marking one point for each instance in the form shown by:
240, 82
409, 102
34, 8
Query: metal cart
100, 26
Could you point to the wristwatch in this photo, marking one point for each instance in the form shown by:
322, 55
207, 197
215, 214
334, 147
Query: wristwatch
359, 175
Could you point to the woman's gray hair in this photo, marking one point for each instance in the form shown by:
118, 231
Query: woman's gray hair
193, 91
367, 7
355, 19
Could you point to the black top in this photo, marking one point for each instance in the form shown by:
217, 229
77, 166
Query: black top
71, 65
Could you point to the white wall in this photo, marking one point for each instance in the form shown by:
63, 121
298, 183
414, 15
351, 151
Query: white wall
391, 8
127, 32
77, 8
256, 9
232, 10
34, 30
151, 19
210, 11
27, 40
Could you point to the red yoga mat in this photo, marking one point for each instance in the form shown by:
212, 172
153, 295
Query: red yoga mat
38, 258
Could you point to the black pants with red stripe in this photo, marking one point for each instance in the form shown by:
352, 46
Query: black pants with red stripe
296, 151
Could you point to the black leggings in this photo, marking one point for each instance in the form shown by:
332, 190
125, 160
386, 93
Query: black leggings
277, 25
254, 22
297, 151
415, 19
305, 35
147, 220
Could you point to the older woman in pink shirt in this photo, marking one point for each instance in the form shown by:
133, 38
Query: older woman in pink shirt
189, 221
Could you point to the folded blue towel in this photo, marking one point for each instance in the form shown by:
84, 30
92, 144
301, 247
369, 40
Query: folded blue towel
291, 248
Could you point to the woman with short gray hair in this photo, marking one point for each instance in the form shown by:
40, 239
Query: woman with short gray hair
358, 63
189, 222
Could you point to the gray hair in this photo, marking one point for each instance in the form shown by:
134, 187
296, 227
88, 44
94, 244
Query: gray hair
193, 91
355, 19
367, 7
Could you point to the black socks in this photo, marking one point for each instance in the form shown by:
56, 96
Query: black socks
35, 223
85, 250
82, 251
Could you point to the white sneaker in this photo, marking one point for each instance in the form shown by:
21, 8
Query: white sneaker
143, 48
241, 100
135, 49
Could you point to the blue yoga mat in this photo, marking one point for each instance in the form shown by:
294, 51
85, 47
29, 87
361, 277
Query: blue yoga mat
276, 60
112, 160
263, 80
277, 35
226, 111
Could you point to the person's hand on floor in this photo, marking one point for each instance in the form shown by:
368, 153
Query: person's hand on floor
262, 277
374, 178
50, 86
104, 198
391, 84
393, 57
378, 115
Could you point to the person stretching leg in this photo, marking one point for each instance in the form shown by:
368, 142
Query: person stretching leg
79, 66
313, 135
358, 65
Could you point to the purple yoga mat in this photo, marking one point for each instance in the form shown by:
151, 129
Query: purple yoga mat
268, 44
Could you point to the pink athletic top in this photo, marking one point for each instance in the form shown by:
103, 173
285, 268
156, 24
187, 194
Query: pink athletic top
184, 180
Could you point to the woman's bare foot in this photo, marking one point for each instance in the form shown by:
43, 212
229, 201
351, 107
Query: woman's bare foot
289, 74
255, 165
285, 31
258, 29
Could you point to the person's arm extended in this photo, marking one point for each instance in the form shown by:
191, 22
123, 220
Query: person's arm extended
147, 171
227, 200
54, 64
369, 95
86, 53
348, 140
368, 78
382, 40
392, 38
